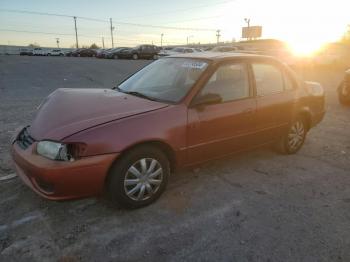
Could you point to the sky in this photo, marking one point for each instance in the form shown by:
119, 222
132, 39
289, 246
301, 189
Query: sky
304, 24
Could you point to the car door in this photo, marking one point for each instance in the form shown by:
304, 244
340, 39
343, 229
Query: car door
145, 51
227, 126
276, 98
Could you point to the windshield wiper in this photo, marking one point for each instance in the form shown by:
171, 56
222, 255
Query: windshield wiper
138, 94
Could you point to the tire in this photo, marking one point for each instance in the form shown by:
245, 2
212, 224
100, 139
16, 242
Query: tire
135, 56
115, 57
293, 140
155, 57
142, 190
344, 94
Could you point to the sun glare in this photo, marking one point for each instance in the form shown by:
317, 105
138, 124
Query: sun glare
304, 48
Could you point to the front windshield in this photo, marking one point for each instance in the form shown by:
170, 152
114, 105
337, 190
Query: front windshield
167, 79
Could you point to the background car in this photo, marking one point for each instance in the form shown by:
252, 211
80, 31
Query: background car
179, 50
140, 52
39, 51
55, 52
224, 49
101, 53
115, 52
25, 51
84, 52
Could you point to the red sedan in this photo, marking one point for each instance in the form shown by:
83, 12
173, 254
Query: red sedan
176, 112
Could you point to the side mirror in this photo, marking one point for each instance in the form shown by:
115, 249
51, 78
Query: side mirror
206, 99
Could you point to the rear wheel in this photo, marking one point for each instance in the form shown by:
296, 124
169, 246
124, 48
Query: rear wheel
155, 57
135, 56
139, 177
344, 94
293, 140
115, 57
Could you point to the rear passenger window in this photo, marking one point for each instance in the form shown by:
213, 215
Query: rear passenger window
230, 82
268, 79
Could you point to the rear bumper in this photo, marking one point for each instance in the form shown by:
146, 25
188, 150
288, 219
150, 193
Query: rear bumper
57, 180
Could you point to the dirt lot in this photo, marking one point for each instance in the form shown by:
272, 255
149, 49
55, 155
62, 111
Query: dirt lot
256, 206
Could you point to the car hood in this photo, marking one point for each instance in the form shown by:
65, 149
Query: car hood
68, 111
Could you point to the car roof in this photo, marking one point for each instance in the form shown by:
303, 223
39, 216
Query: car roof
217, 56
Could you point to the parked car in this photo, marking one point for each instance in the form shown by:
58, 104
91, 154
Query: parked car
25, 51
178, 50
344, 89
115, 52
140, 52
69, 52
224, 49
39, 51
101, 53
56, 52
176, 112
84, 52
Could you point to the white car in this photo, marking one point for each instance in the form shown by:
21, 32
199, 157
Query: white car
39, 51
56, 52
179, 50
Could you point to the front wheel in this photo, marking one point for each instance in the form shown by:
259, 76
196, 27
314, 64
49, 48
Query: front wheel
293, 140
135, 56
115, 57
139, 177
155, 57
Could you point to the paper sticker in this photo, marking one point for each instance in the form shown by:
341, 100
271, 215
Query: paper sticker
194, 65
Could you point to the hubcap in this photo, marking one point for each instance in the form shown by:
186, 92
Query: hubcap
296, 135
143, 179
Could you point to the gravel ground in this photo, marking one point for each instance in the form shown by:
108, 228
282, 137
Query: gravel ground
255, 206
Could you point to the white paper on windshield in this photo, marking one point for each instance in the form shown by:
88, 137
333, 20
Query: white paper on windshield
194, 65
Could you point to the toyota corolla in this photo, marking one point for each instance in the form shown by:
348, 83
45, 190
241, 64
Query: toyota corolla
174, 113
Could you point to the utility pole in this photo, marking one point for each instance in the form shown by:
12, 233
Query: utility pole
161, 39
218, 36
247, 20
112, 28
103, 42
58, 42
187, 39
76, 32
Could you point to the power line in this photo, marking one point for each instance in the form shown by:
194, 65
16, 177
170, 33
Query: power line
168, 27
107, 21
72, 35
193, 19
180, 10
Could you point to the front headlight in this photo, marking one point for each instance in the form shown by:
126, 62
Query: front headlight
54, 151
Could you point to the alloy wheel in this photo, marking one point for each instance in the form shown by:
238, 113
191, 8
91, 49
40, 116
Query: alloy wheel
296, 135
143, 179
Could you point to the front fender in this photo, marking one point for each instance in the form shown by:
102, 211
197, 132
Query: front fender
167, 125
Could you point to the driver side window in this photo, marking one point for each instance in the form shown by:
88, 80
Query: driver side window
230, 82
